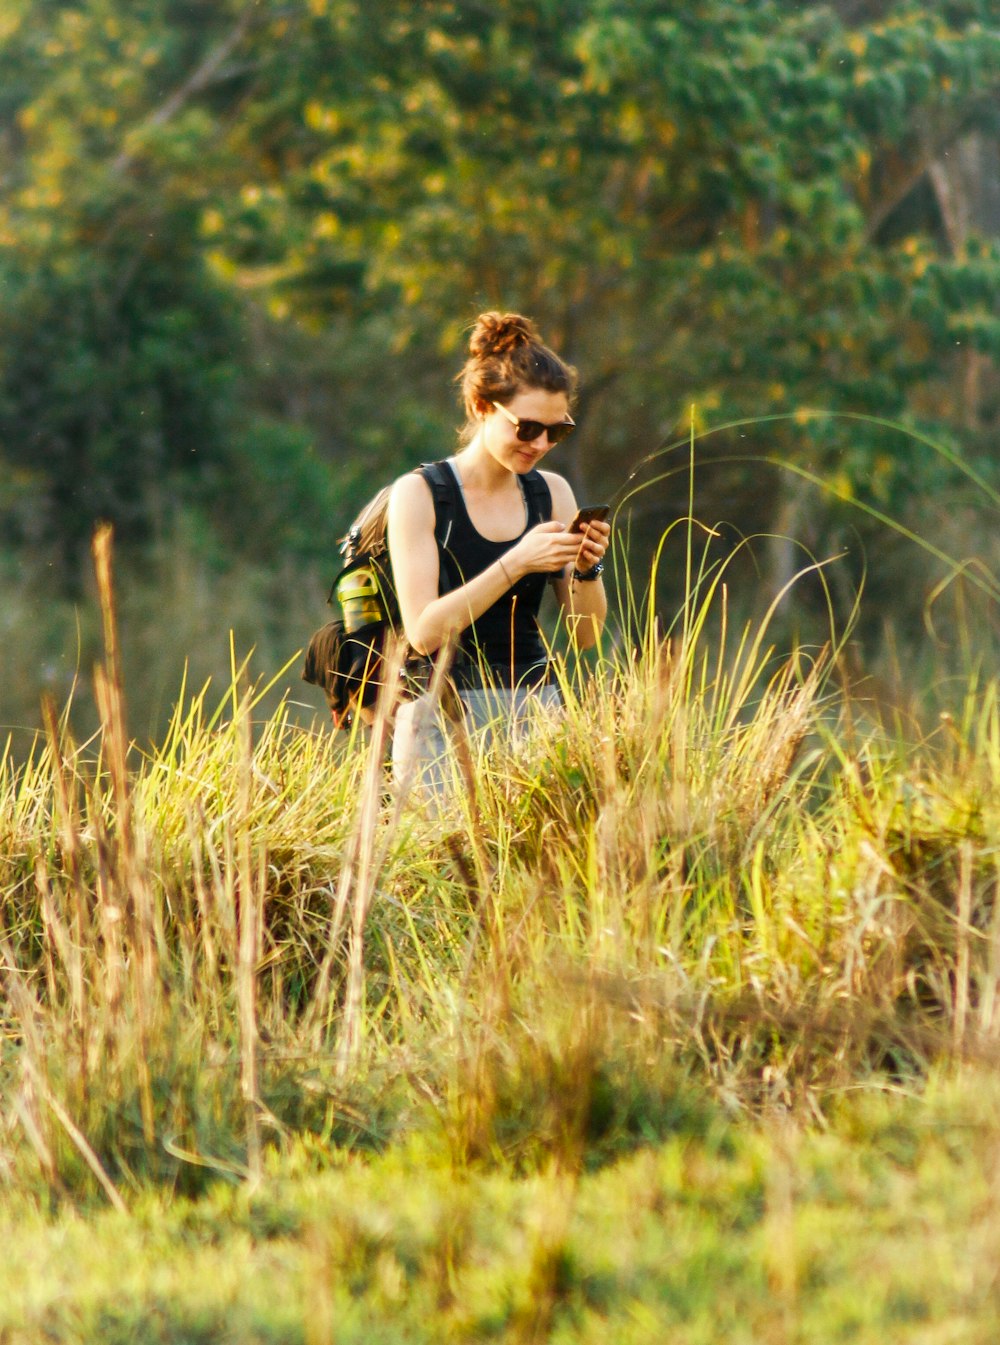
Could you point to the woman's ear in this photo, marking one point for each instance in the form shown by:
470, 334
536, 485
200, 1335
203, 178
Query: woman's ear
482, 407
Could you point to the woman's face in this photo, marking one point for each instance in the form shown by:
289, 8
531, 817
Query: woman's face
500, 431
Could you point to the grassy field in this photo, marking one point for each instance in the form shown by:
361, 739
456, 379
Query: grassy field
678, 1021
883, 1225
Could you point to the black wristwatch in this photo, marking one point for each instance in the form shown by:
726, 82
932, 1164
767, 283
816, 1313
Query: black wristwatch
585, 576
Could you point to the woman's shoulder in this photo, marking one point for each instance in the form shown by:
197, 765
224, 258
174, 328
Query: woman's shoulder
563, 500
413, 483
411, 494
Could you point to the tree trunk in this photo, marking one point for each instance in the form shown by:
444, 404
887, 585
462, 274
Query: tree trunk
966, 182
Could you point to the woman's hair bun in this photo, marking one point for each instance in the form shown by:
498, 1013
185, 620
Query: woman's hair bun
500, 333
507, 354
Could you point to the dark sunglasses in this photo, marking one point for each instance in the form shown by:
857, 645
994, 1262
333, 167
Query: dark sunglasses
529, 430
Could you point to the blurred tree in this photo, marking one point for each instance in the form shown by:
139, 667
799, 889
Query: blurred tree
736, 206
703, 204
123, 370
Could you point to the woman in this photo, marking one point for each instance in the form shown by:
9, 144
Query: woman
486, 584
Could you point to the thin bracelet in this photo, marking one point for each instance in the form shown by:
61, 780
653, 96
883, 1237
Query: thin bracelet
505, 574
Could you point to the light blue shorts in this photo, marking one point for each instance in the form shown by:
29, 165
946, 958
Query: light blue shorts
422, 748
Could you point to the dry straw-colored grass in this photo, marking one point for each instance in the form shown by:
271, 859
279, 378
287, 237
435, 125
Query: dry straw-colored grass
684, 881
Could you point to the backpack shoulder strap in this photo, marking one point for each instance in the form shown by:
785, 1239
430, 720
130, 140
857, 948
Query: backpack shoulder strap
538, 497
441, 480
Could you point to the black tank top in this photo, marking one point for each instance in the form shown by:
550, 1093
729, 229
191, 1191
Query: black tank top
506, 637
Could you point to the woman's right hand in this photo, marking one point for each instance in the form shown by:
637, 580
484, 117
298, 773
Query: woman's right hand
547, 547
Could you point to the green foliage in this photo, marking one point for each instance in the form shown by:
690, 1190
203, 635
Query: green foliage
713, 206
115, 388
883, 1225
122, 381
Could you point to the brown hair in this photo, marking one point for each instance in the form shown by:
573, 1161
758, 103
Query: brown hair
506, 353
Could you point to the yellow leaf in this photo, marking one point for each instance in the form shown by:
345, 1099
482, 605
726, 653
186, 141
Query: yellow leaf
327, 225
436, 40
220, 264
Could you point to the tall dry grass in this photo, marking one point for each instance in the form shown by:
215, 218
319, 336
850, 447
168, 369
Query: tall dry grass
708, 875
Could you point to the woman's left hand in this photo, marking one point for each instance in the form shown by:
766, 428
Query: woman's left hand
593, 545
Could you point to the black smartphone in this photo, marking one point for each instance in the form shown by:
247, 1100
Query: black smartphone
590, 513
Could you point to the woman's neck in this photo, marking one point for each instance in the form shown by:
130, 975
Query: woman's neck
480, 470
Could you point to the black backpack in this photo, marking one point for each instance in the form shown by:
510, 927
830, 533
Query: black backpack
345, 656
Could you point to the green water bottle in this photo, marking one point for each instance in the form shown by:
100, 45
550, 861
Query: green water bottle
358, 596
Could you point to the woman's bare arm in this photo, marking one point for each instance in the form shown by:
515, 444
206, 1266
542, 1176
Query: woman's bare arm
585, 603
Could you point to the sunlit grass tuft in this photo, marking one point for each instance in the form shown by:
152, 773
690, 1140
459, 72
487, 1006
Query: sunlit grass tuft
708, 883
